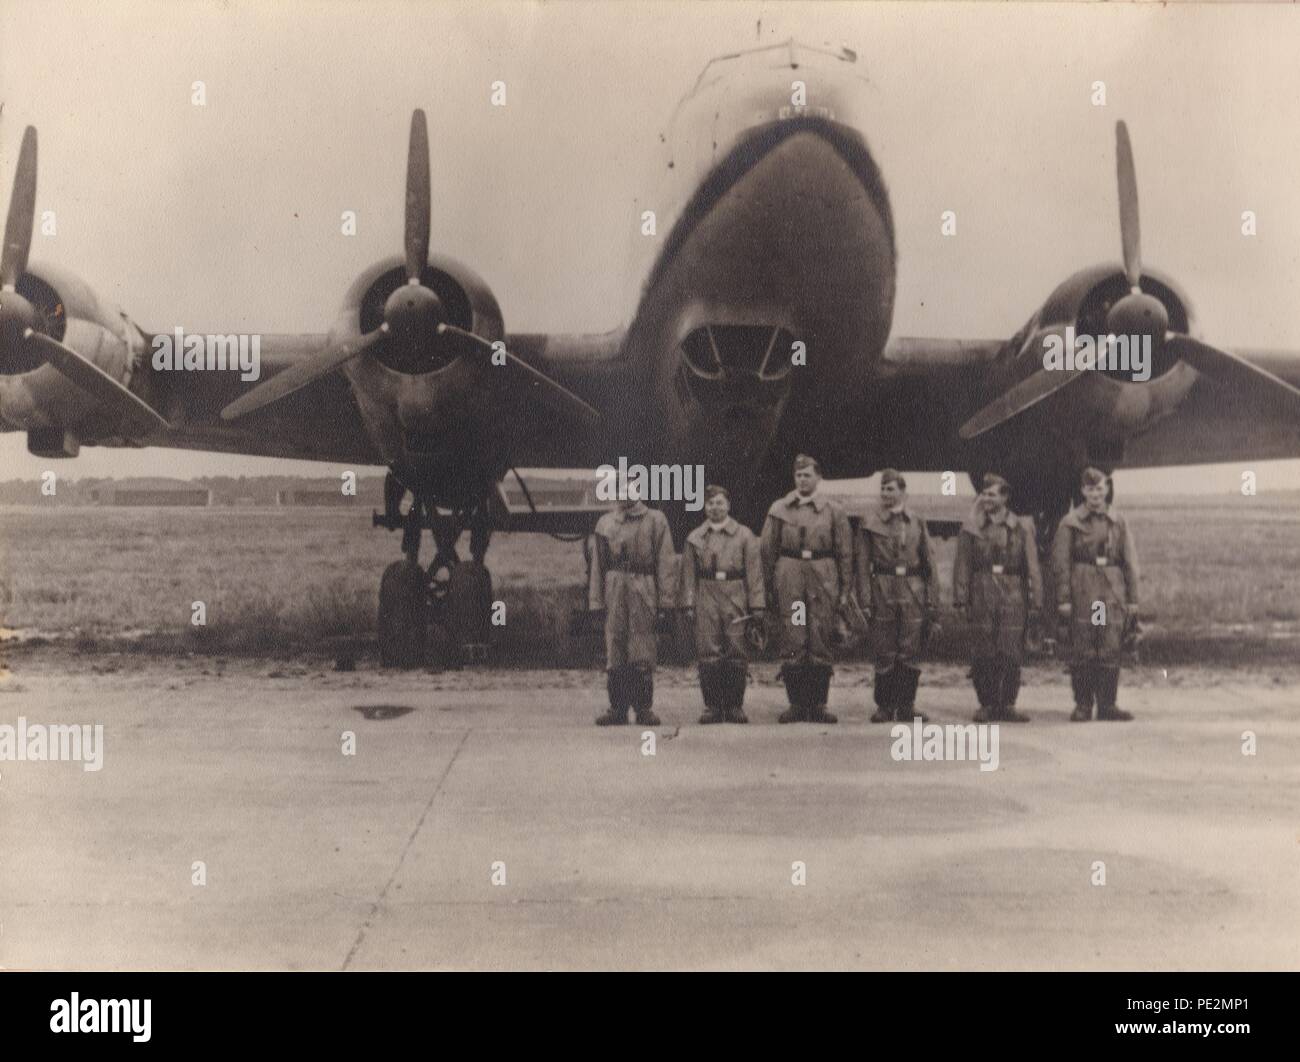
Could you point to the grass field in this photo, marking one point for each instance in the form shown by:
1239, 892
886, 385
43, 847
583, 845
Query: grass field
1222, 575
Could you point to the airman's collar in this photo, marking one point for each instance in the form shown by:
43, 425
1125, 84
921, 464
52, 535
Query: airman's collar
637, 511
817, 500
1078, 516
978, 520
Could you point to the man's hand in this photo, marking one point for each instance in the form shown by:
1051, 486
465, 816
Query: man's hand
930, 629
1132, 632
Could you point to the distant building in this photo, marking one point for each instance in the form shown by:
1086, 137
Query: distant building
159, 493
314, 496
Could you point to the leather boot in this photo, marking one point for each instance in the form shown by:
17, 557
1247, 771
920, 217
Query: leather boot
908, 679
883, 695
616, 685
712, 693
793, 676
1081, 681
1007, 679
1012, 692
1107, 694
736, 677
979, 675
642, 683
819, 692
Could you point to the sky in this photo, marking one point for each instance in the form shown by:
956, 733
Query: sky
226, 217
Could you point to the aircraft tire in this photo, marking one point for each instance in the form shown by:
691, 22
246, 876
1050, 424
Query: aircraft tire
469, 603
403, 615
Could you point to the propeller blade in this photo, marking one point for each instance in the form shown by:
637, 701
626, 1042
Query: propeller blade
298, 376
417, 199
1028, 392
1235, 372
525, 378
95, 382
1130, 230
22, 214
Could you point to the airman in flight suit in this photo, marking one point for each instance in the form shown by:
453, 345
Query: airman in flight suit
631, 579
1096, 568
997, 584
808, 571
722, 584
898, 588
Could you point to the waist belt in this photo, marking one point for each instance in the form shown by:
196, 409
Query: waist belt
897, 569
634, 569
721, 577
1000, 569
808, 554
1096, 562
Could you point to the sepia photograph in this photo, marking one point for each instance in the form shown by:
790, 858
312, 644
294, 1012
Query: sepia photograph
650, 486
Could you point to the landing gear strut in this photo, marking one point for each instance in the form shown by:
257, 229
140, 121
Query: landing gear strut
441, 614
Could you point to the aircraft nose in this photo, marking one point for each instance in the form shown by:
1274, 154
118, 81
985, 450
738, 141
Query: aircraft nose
738, 93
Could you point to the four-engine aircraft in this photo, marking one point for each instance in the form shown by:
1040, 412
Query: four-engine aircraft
762, 330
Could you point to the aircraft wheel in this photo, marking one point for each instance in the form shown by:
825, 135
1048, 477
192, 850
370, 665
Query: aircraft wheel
403, 615
469, 607
441, 650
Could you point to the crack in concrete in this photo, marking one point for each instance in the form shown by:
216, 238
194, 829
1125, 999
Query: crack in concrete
379, 900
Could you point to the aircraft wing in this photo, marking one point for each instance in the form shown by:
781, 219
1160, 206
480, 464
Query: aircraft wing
907, 355
1217, 423
321, 422
928, 386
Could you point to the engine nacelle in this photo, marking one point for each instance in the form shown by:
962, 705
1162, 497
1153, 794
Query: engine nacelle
449, 292
34, 395
1086, 302
1120, 399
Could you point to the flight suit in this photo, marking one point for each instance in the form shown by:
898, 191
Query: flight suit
1094, 560
997, 577
807, 558
898, 585
722, 579
631, 578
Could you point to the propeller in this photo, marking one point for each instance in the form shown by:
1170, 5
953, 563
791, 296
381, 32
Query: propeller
1235, 371
299, 376
1028, 392
523, 376
414, 314
410, 311
21, 323
1139, 314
